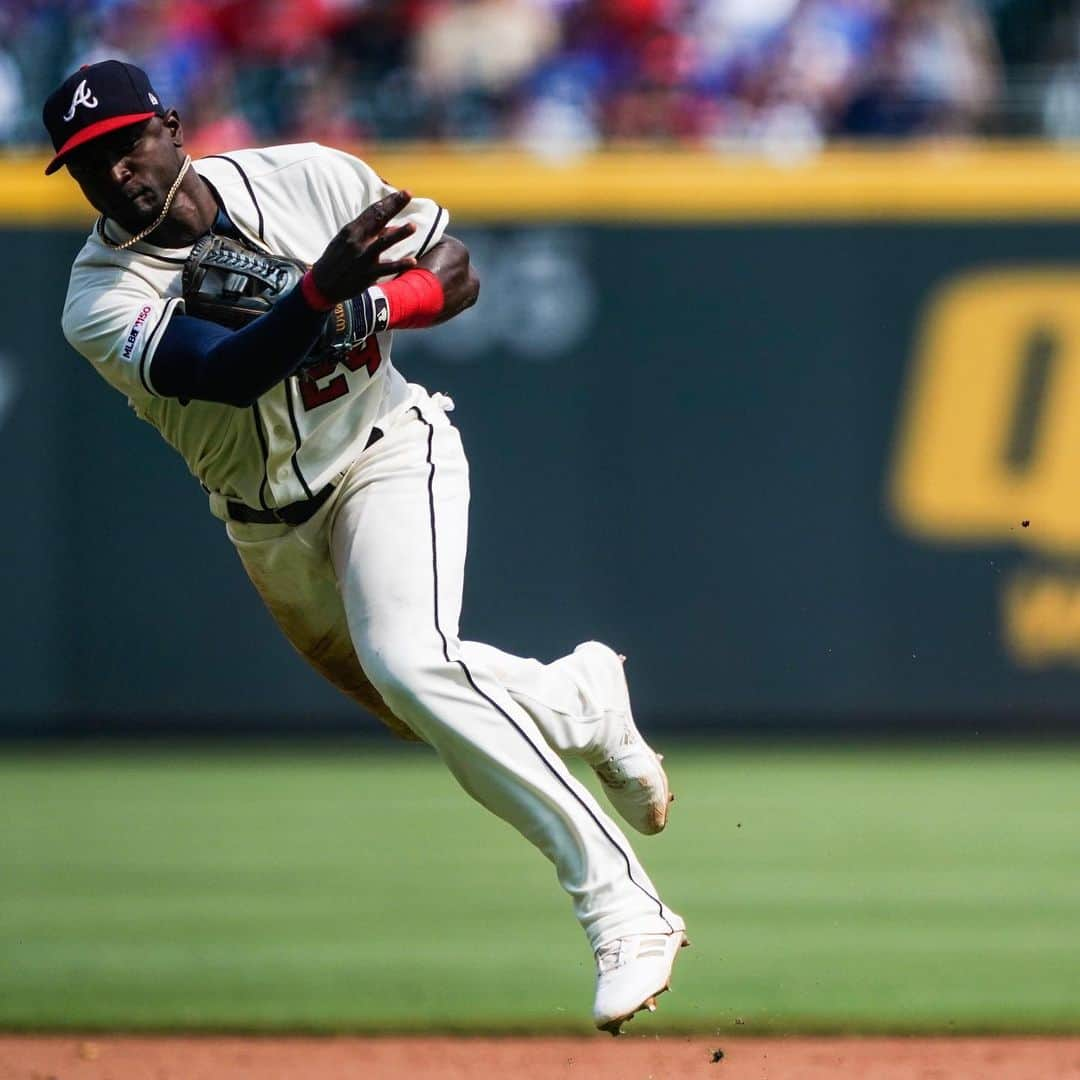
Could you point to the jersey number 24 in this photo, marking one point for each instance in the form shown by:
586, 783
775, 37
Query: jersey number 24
313, 395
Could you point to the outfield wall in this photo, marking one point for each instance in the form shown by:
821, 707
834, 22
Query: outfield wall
802, 440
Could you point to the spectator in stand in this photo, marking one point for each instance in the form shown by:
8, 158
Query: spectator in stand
11, 87
733, 40
324, 111
559, 112
653, 96
936, 73
132, 30
216, 120
798, 77
471, 57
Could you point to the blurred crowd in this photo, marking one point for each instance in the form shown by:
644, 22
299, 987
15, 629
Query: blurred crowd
556, 75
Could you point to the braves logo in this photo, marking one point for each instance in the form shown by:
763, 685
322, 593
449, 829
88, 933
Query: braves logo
82, 96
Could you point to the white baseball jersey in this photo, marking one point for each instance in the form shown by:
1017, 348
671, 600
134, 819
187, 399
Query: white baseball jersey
289, 200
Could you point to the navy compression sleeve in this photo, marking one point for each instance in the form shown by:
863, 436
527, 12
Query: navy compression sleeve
201, 361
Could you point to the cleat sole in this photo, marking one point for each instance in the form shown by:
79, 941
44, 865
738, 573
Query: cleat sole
615, 1026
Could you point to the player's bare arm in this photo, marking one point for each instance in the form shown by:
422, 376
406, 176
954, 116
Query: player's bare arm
449, 261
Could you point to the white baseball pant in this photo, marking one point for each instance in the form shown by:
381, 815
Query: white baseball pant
376, 576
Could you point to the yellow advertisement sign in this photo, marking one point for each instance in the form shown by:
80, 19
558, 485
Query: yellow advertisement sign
989, 442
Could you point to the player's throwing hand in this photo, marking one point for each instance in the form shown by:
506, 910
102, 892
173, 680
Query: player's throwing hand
351, 260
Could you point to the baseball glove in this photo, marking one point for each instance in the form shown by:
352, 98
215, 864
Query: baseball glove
229, 284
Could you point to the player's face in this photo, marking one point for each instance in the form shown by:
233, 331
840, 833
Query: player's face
126, 174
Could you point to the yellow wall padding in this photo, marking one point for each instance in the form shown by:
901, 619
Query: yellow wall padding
1017, 181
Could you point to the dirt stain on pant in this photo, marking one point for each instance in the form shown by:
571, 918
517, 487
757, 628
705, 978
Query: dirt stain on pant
319, 631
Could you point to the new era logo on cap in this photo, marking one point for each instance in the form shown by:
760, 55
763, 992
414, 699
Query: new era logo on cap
97, 99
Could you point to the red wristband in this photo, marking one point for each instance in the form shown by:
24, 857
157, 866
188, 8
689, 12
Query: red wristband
416, 299
313, 294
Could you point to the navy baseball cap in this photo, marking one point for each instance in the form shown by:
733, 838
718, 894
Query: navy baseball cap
97, 99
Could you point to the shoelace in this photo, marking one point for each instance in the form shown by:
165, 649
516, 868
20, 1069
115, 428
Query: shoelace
621, 951
609, 957
613, 770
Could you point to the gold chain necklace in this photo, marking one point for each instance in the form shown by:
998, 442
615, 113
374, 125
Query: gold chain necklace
160, 218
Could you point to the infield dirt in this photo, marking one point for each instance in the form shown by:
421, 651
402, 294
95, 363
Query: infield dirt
633, 1057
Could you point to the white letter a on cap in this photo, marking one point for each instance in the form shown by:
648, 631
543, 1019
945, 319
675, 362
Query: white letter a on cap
82, 96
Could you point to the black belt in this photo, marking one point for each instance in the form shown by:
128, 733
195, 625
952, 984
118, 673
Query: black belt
295, 513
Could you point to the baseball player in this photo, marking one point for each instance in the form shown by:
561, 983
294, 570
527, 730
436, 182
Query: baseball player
245, 305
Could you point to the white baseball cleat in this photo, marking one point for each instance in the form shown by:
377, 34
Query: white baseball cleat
631, 772
631, 972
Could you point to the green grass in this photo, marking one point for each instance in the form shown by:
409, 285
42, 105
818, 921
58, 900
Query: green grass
358, 889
